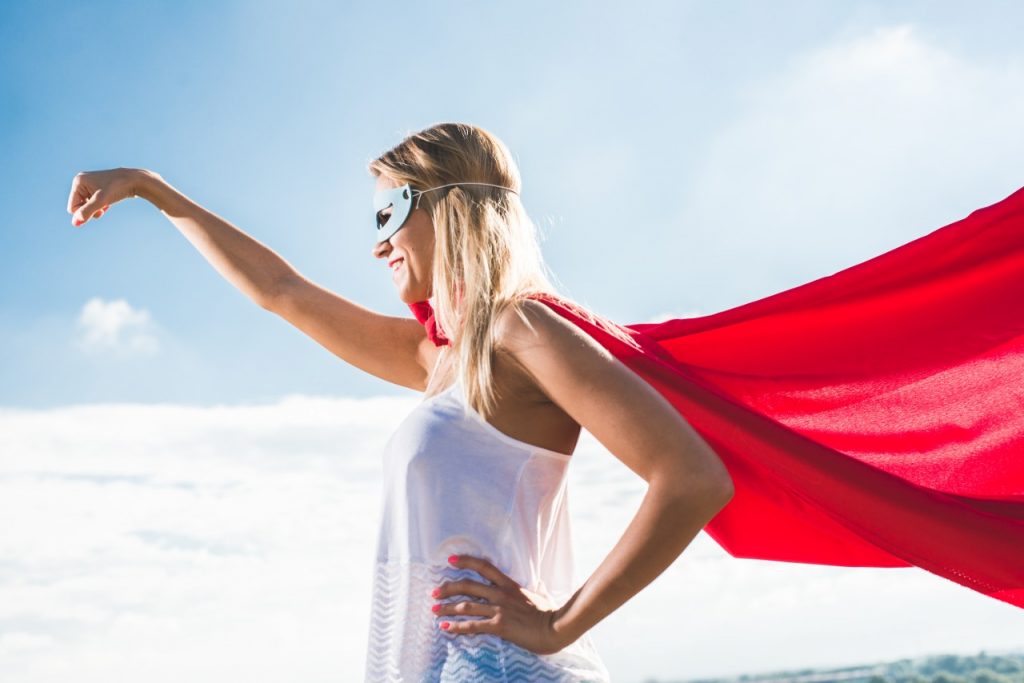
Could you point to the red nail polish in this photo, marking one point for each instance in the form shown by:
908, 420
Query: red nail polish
436, 608
453, 559
436, 593
444, 625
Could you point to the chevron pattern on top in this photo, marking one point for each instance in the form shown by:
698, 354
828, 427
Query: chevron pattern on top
407, 645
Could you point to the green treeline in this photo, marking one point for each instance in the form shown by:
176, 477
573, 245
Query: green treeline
980, 668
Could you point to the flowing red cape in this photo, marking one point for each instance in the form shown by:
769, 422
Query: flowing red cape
870, 418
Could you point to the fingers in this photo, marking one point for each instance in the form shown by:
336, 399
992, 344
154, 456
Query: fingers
479, 609
467, 587
88, 198
78, 195
483, 568
88, 208
461, 626
87, 211
97, 214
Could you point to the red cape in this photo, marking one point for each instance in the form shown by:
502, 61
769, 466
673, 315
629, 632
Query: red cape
869, 418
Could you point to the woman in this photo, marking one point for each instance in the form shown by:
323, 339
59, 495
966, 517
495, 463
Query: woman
475, 577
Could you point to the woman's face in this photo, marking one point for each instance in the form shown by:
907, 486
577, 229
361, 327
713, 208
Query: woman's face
413, 249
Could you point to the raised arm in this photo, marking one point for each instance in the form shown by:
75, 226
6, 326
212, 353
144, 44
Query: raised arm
393, 348
255, 269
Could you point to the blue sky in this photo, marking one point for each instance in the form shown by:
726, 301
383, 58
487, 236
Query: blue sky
680, 158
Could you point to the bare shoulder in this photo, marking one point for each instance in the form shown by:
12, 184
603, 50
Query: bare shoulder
540, 344
546, 338
616, 405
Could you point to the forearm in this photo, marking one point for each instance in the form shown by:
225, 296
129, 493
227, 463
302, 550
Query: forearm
252, 267
662, 528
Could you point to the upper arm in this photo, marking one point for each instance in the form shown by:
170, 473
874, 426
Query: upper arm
626, 414
390, 347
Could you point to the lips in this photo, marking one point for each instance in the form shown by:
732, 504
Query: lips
397, 265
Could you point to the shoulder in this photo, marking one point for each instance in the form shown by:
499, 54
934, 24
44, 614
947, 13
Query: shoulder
546, 344
626, 414
516, 322
527, 322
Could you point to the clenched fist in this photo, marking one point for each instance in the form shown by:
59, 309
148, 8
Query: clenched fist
93, 192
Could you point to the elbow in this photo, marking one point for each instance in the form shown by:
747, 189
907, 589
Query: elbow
706, 491
711, 486
717, 479
698, 476
721, 485
727, 489
718, 496
718, 491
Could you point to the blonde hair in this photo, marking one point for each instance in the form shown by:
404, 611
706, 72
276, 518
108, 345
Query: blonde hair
486, 251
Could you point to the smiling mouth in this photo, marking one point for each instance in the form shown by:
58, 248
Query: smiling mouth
398, 264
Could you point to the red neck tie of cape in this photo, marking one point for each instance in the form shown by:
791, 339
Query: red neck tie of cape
870, 418
424, 312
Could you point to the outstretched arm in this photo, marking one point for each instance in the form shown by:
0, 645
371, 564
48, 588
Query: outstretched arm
254, 268
251, 266
394, 348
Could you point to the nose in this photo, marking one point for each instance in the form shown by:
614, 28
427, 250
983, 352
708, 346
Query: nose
381, 249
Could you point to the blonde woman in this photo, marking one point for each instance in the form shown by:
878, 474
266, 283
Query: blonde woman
474, 578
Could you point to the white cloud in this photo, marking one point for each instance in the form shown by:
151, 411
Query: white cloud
116, 326
174, 542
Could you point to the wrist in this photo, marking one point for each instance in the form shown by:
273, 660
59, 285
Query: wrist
562, 632
147, 185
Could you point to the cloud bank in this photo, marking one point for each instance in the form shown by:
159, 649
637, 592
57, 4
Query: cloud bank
167, 542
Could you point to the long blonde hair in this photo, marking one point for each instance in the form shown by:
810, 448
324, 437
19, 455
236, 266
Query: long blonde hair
486, 251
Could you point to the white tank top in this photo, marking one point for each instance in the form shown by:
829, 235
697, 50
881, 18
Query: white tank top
455, 484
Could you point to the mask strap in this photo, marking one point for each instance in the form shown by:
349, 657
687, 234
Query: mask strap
419, 192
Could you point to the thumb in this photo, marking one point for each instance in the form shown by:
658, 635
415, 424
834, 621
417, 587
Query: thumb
85, 211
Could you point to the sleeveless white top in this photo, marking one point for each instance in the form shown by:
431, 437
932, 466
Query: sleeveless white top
455, 484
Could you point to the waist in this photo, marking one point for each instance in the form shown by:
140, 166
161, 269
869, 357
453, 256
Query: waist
406, 637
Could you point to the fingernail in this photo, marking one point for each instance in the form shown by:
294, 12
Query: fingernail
436, 608
444, 625
436, 593
453, 559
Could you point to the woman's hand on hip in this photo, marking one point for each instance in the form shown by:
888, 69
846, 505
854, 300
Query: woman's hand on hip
93, 192
512, 612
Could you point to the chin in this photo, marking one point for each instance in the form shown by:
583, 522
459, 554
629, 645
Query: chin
411, 297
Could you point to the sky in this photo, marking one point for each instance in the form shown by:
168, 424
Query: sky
186, 478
